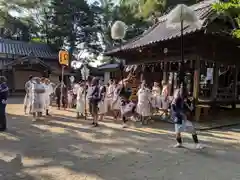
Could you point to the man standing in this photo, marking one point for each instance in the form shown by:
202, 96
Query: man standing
3, 103
38, 91
94, 98
109, 95
81, 100
58, 95
27, 99
48, 93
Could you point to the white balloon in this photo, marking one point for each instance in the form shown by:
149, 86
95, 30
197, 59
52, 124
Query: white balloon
118, 30
183, 13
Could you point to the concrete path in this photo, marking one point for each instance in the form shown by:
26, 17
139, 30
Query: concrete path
63, 148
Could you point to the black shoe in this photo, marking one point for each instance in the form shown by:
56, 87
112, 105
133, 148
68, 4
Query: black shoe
96, 125
93, 123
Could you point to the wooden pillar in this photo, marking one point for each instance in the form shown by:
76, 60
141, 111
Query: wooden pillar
215, 82
196, 80
196, 86
142, 73
13, 79
170, 83
165, 72
235, 87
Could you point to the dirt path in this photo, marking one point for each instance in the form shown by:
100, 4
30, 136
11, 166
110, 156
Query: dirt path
63, 148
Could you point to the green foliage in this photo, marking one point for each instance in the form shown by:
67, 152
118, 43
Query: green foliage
106, 13
22, 28
231, 8
149, 7
71, 23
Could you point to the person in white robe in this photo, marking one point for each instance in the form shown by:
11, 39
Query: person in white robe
47, 94
156, 94
116, 101
80, 101
109, 94
165, 95
38, 90
102, 105
144, 103
28, 96
75, 90
70, 98
165, 99
88, 91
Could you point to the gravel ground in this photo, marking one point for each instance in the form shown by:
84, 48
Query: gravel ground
63, 148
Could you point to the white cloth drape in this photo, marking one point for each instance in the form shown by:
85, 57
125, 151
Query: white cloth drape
28, 96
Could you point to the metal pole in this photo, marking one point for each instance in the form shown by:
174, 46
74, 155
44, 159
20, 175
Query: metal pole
182, 73
121, 65
61, 97
85, 95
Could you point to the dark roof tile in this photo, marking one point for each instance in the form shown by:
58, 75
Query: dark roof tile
21, 48
108, 66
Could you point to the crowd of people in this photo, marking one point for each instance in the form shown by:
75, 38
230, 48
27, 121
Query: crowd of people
99, 99
38, 96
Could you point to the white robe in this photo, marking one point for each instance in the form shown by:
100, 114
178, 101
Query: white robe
102, 105
109, 95
165, 98
47, 95
28, 96
38, 98
144, 102
80, 101
116, 101
75, 88
156, 94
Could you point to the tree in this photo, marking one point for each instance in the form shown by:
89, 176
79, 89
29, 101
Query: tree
147, 8
71, 24
22, 27
106, 13
231, 8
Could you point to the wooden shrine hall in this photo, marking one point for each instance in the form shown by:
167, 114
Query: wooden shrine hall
211, 56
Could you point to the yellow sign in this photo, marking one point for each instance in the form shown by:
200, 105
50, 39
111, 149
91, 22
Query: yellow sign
64, 57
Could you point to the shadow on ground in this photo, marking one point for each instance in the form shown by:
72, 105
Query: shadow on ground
64, 148
61, 147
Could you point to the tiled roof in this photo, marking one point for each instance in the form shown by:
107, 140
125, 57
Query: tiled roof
159, 32
108, 66
22, 48
25, 60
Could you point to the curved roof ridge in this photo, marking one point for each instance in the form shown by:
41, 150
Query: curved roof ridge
158, 32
